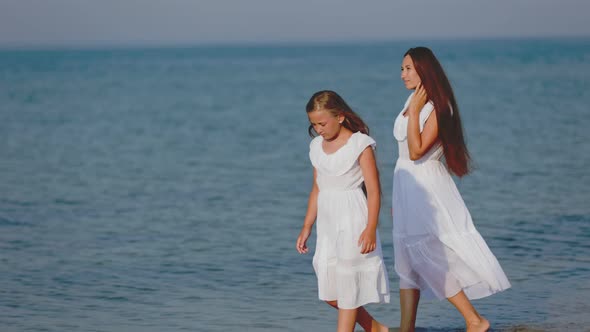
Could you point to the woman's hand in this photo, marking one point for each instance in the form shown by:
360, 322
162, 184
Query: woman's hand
302, 240
368, 240
418, 100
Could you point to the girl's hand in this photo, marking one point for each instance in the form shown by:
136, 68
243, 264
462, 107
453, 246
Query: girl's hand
418, 100
368, 241
302, 240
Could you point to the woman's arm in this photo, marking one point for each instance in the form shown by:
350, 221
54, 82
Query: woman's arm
420, 143
310, 217
368, 164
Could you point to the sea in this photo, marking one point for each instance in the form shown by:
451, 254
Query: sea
163, 188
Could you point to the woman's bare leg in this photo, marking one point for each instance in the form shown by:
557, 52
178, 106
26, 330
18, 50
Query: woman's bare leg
408, 300
473, 320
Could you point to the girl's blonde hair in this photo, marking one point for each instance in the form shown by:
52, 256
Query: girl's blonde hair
331, 102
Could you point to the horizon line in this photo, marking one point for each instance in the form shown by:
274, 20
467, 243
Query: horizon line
101, 45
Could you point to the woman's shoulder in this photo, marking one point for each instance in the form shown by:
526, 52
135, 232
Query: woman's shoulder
407, 103
425, 112
405, 107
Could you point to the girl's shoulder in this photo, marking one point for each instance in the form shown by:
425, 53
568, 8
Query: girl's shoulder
316, 142
356, 140
361, 141
343, 159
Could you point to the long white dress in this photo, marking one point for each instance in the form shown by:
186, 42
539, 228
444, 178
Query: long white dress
437, 248
343, 273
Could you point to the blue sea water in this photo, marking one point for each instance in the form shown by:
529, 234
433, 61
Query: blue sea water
162, 189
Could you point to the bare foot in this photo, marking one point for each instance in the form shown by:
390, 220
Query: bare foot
378, 327
482, 325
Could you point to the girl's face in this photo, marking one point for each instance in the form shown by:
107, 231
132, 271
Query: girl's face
409, 73
325, 123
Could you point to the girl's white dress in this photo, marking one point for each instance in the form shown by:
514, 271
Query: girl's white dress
344, 274
437, 248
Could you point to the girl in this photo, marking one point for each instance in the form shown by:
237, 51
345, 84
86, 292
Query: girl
348, 260
438, 251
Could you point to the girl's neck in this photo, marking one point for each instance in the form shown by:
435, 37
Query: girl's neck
343, 136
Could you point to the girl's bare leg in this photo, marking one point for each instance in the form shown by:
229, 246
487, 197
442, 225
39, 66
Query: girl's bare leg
368, 322
346, 320
364, 319
408, 300
473, 320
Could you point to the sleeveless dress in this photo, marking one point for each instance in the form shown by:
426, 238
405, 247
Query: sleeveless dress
343, 273
437, 248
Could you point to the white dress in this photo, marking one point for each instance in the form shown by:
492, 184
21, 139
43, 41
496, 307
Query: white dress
437, 248
343, 273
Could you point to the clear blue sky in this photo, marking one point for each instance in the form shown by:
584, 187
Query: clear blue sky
85, 22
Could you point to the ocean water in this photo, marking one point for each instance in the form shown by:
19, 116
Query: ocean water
162, 189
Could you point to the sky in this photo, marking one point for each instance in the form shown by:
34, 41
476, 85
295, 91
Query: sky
132, 22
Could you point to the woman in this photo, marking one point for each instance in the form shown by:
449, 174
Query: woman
438, 251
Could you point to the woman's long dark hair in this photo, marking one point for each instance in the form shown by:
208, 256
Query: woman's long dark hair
332, 102
439, 91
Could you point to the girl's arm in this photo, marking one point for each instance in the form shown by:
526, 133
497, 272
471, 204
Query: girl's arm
368, 238
420, 143
310, 217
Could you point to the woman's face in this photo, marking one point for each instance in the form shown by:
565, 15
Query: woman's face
409, 74
325, 123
